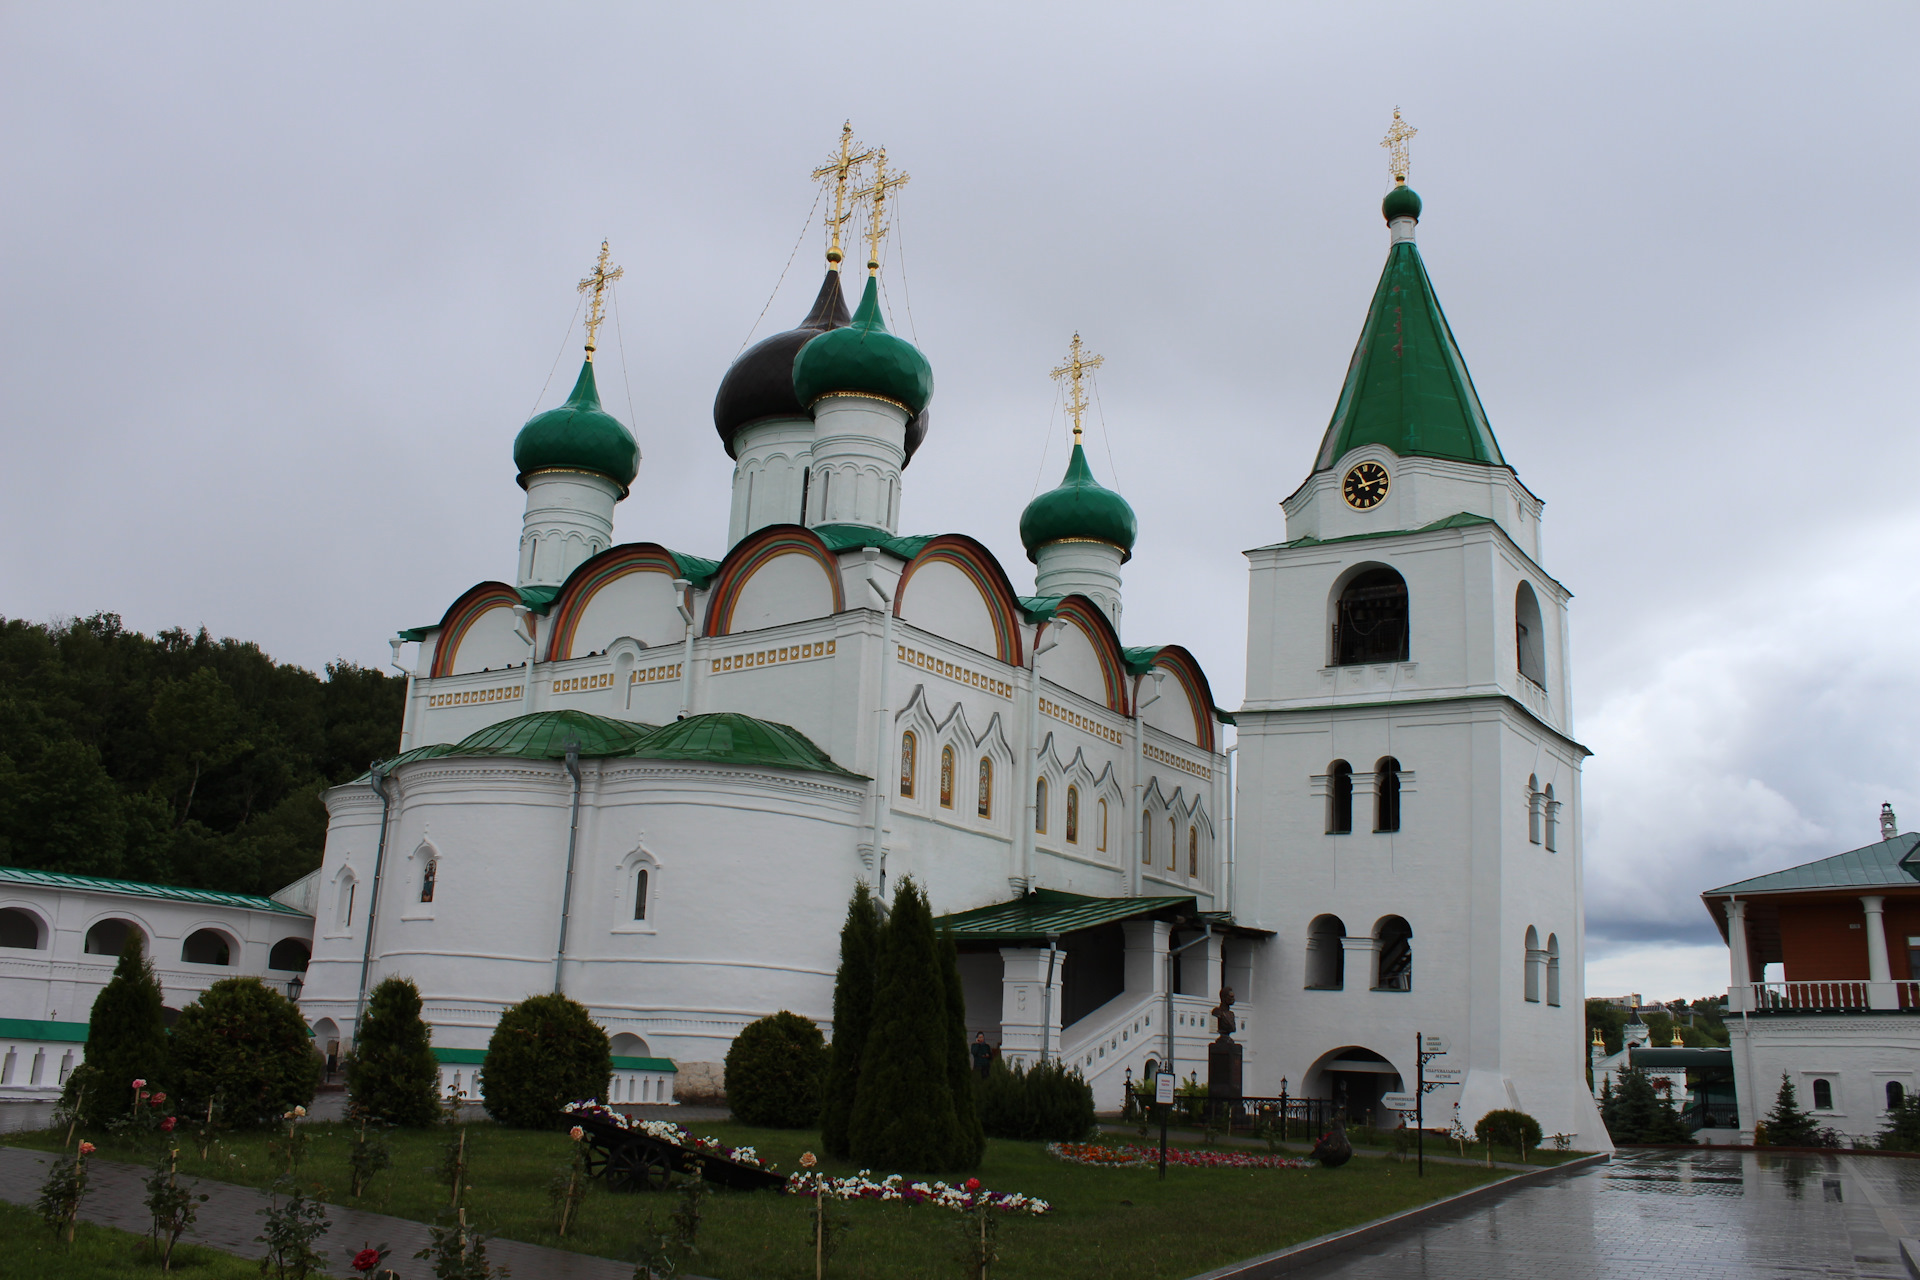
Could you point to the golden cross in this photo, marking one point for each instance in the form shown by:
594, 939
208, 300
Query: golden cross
1078, 365
840, 168
598, 282
1395, 142
877, 214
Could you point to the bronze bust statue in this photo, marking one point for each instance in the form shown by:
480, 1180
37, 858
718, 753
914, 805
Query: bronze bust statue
1223, 1013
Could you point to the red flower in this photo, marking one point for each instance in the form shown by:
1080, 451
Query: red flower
166, 1126
366, 1260
158, 1098
973, 1184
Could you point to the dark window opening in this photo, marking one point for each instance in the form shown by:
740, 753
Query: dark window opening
427, 878
1529, 639
1386, 794
204, 946
1822, 1095
18, 929
1094, 971
1370, 623
1896, 1095
640, 895
107, 937
289, 954
1339, 798
1393, 946
1326, 954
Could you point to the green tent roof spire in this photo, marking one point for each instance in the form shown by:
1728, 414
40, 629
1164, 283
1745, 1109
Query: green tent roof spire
1407, 387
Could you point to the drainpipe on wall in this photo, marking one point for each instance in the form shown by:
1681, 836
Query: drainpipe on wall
1030, 774
884, 715
1139, 822
573, 840
1172, 951
1046, 1002
1233, 799
377, 778
683, 595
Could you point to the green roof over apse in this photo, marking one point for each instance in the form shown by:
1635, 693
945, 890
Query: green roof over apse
1407, 386
579, 435
1887, 864
720, 737
1047, 913
137, 889
864, 358
850, 537
544, 735
1079, 507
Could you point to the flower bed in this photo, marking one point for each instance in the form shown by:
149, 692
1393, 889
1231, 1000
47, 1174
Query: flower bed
861, 1186
1130, 1156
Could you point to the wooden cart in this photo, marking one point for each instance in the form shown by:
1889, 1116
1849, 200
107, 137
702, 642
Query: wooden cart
634, 1160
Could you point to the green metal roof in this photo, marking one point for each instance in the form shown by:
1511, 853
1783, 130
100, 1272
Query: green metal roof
135, 889
459, 1057
695, 569
1079, 507
864, 357
621, 1063
419, 633
1046, 913
539, 599
1886, 864
1458, 520
727, 737
1039, 608
1667, 1056
848, 537
32, 1029
579, 434
543, 735
475, 1057
1407, 386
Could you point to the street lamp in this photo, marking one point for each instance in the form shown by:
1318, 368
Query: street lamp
294, 985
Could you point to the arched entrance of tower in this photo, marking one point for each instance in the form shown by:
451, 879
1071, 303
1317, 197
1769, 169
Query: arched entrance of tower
326, 1043
1358, 1076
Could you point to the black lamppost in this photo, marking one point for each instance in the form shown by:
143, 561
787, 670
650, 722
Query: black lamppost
294, 986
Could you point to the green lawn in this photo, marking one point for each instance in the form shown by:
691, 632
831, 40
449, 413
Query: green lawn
101, 1253
1107, 1224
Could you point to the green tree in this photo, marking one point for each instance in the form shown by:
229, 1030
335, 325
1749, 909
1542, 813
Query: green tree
1902, 1130
903, 1115
1787, 1125
126, 1040
392, 1075
775, 1069
1639, 1116
970, 1140
243, 1045
852, 1011
545, 1052
200, 718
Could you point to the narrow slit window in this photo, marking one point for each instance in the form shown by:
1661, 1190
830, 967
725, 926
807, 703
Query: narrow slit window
1040, 806
427, 879
1073, 815
1103, 826
1193, 851
1146, 839
986, 787
1339, 798
1386, 794
946, 777
640, 894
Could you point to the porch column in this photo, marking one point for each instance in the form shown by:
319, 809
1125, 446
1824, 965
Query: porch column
1880, 992
1027, 1017
1200, 971
1740, 975
1146, 956
1357, 968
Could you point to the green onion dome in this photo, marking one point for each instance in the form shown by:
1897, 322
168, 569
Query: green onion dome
578, 436
864, 359
1079, 509
1401, 202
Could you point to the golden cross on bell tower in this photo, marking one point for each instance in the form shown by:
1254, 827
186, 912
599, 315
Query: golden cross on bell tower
840, 168
1398, 135
883, 182
1079, 363
597, 283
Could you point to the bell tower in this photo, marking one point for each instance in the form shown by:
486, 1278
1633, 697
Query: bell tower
1409, 787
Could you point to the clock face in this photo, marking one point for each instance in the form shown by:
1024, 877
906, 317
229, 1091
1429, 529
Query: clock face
1365, 486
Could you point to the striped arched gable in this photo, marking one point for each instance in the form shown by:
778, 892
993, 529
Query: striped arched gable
1092, 620
754, 553
1185, 669
593, 577
460, 617
983, 572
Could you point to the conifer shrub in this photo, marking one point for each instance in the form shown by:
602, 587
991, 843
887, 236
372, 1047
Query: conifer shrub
1787, 1125
392, 1075
244, 1046
1508, 1130
1636, 1115
852, 1010
775, 1069
969, 1138
1046, 1102
546, 1051
1902, 1130
126, 1041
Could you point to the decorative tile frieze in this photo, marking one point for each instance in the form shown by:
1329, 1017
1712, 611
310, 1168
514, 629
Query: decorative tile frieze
1161, 756
654, 675
954, 671
773, 657
474, 697
1087, 724
584, 684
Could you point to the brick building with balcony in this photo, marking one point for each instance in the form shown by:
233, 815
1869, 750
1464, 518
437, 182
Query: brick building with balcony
1842, 1017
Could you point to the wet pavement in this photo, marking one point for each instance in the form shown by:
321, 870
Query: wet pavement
1679, 1215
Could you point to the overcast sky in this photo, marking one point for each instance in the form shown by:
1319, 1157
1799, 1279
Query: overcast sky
277, 289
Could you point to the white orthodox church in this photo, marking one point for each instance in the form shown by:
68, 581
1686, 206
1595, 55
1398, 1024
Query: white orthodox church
650, 779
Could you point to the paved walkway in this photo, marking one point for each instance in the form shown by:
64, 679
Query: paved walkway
1681, 1215
228, 1221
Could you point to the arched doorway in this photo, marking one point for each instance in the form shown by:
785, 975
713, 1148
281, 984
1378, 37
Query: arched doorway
1358, 1076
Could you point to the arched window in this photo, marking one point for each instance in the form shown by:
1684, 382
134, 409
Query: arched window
343, 903
19, 929
427, 879
1326, 954
908, 743
1146, 838
1533, 808
946, 777
1896, 1095
1103, 826
1393, 954
1551, 810
107, 937
1073, 815
1370, 621
1040, 805
986, 787
1823, 1095
1553, 969
1386, 794
1193, 851
640, 883
289, 955
1533, 956
1339, 798
1529, 640
204, 946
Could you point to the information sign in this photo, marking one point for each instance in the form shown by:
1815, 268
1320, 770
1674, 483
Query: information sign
1399, 1102
1443, 1075
1434, 1044
1163, 1088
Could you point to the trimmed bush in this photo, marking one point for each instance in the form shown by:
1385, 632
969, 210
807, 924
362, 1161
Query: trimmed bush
1508, 1129
546, 1051
126, 1041
392, 1074
852, 1010
1047, 1102
243, 1046
775, 1069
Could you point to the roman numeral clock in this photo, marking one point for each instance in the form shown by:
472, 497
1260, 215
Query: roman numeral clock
1365, 486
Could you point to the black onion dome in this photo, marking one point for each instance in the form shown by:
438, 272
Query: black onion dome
759, 384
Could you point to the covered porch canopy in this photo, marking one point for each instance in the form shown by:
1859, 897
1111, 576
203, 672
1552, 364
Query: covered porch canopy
1033, 918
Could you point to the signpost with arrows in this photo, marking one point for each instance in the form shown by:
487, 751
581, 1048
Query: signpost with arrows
1425, 1049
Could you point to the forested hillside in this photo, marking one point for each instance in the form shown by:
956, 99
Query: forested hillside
176, 758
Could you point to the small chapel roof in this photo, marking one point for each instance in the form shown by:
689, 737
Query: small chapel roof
138, 889
1048, 913
1885, 863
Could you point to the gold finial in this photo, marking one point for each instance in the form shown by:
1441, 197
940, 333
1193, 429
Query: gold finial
840, 168
1398, 135
1678, 1043
883, 182
1079, 363
597, 283
1599, 1041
